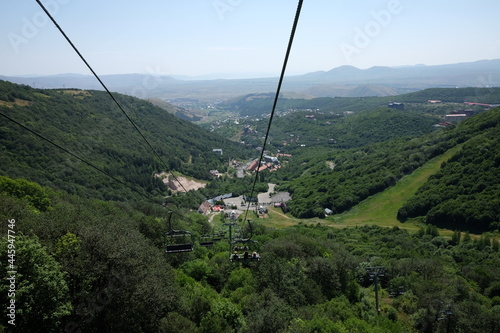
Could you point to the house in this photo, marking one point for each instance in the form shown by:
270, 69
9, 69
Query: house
479, 104
271, 159
469, 113
217, 151
253, 165
204, 208
217, 208
215, 173
263, 167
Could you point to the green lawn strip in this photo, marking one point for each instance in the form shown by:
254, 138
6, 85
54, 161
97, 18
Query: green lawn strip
381, 209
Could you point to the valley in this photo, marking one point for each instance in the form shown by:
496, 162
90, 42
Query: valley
123, 245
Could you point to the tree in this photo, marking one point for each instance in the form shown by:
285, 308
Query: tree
41, 292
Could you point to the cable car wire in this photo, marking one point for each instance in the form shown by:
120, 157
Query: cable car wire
108, 91
81, 159
287, 54
67, 151
276, 97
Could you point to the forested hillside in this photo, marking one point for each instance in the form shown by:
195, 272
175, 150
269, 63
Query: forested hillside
359, 173
330, 130
89, 124
259, 104
98, 266
90, 254
465, 193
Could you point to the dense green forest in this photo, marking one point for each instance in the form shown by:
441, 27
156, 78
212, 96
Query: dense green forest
260, 104
361, 172
93, 266
89, 253
331, 130
464, 194
89, 124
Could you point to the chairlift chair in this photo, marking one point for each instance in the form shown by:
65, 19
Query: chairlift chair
209, 240
245, 250
206, 241
178, 241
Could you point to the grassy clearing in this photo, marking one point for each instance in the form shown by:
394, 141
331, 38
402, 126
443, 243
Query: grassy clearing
381, 209
277, 219
19, 102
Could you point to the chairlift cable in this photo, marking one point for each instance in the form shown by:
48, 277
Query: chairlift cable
276, 97
108, 91
90, 164
81, 159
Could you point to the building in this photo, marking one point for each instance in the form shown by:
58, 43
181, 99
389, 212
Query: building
215, 173
204, 208
271, 159
396, 105
253, 165
217, 151
455, 117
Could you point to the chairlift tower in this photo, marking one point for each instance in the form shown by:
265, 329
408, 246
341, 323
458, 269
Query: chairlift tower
373, 274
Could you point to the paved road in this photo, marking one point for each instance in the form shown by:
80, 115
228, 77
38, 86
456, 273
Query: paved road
264, 197
240, 173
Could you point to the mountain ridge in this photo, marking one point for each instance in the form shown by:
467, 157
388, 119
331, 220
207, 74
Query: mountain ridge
482, 73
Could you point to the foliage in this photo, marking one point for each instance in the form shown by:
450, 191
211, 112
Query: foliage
39, 288
110, 275
464, 194
90, 125
33, 193
359, 173
100, 266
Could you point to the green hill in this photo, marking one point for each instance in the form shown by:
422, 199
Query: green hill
91, 126
465, 193
93, 265
331, 130
362, 172
259, 104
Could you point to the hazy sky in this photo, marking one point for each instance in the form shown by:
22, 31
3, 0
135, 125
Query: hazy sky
244, 37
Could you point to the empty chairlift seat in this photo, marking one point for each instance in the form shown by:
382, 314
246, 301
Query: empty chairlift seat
207, 241
178, 241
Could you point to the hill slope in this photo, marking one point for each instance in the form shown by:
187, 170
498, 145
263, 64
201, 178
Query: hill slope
90, 125
362, 172
465, 193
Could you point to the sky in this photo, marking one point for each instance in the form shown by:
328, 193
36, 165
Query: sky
242, 38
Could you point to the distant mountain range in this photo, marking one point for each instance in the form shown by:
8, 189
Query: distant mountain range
344, 81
